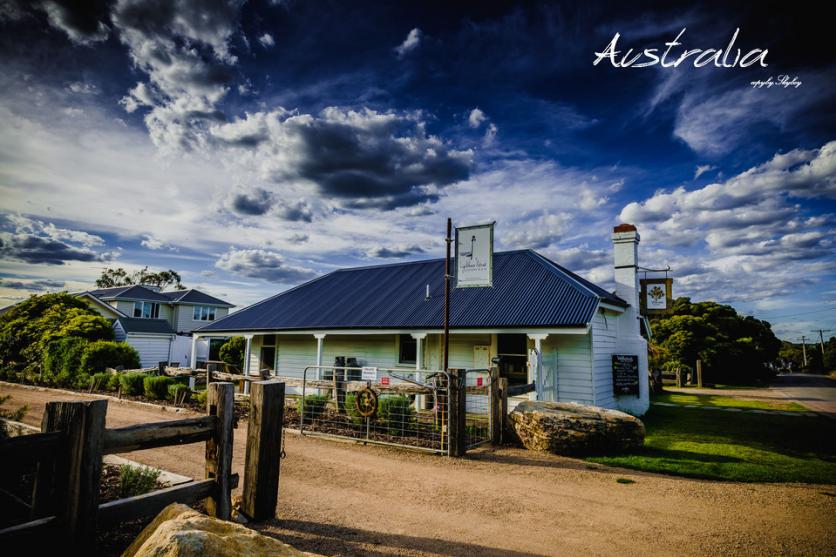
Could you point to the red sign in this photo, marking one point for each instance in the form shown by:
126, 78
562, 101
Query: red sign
478, 381
384, 380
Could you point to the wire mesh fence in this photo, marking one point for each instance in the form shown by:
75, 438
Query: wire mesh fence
376, 405
477, 422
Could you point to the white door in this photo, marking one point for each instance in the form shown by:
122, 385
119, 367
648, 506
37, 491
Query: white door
481, 357
548, 370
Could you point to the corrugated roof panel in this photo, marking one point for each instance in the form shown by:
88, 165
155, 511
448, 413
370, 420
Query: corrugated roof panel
529, 291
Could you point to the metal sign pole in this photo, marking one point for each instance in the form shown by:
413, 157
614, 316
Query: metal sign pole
447, 296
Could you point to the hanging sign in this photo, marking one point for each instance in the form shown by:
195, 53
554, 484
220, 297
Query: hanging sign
474, 256
656, 294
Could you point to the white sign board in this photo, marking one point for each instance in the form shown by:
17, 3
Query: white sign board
656, 296
474, 256
368, 374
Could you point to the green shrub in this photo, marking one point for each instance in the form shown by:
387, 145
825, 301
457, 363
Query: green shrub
81, 381
350, 406
232, 351
314, 406
179, 393
103, 354
101, 381
62, 360
396, 413
200, 397
113, 382
136, 480
156, 386
132, 383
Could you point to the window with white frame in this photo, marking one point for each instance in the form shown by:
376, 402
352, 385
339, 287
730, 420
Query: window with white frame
204, 313
147, 310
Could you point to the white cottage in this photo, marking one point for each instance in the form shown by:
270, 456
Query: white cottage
543, 323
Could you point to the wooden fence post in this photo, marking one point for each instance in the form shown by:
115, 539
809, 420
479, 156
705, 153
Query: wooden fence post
69, 486
499, 409
219, 402
264, 447
456, 393
699, 374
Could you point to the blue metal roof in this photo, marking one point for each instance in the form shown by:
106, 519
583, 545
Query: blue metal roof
140, 325
134, 292
193, 296
528, 291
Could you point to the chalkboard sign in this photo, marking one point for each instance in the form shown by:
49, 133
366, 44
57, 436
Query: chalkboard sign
625, 374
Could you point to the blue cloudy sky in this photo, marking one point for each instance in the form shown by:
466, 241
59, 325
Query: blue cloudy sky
254, 145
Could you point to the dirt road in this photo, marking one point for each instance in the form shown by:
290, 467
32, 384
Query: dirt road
346, 499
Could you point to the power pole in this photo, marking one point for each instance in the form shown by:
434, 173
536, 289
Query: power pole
821, 341
804, 349
449, 241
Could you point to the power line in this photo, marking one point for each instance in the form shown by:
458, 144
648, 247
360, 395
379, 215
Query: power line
802, 313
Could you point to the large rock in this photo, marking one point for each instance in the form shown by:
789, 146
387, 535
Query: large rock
179, 531
570, 428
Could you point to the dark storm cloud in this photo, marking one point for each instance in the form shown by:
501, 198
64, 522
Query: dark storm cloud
260, 202
263, 264
36, 285
394, 252
362, 159
36, 249
84, 21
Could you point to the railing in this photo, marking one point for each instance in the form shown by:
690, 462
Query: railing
69, 452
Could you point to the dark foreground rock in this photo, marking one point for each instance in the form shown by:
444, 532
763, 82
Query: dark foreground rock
569, 428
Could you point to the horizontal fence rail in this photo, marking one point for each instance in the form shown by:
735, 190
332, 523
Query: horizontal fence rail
158, 434
33, 447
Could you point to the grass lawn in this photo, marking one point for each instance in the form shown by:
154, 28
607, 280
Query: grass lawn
726, 401
734, 446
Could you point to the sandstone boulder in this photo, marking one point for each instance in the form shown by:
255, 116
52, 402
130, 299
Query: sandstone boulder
179, 531
570, 428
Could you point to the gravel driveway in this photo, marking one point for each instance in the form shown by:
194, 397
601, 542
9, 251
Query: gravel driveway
338, 498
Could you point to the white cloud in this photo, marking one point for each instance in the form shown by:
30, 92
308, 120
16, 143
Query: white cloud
476, 118
410, 43
702, 169
82, 88
266, 40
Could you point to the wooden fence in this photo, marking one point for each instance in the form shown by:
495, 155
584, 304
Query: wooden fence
65, 500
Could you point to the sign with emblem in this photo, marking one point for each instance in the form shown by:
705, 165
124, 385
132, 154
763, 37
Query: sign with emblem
474, 256
625, 374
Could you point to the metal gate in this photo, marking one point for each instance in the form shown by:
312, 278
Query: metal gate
383, 406
478, 415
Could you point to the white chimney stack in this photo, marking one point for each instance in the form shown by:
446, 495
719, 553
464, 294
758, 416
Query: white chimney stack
625, 239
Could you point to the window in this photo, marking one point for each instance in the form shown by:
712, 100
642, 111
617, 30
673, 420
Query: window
408, 353
203, 313
147, 310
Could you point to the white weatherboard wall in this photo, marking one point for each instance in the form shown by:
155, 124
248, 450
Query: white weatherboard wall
574, 367
183, 319
604, 339
152, 348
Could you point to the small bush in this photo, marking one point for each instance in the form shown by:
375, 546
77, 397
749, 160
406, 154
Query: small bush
81, 381
396, 413
132, 383
232, 351
103, 354
113, 382
101, 381
350, 407
156, 386
200, 397
62, 360
179, 393
314, 406
136, 480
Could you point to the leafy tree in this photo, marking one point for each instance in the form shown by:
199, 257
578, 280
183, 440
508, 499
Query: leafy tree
733, 348
101, 355
232, 351
111, 278
27, 328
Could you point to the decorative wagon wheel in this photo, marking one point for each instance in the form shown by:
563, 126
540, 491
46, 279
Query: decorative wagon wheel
366, 402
